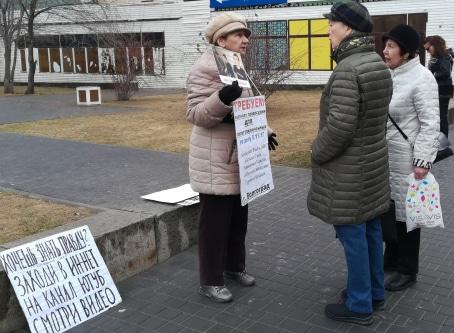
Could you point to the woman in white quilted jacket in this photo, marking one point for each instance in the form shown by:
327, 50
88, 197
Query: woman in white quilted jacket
213, 163
415, 110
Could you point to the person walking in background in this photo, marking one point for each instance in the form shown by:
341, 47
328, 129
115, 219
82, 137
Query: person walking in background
350, 178
213, 163
440, 64
414, 109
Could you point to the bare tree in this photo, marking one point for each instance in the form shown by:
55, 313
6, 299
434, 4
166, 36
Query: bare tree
33, 9
123, 61
268, 71
10, 26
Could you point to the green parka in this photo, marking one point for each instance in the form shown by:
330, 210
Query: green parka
350, 176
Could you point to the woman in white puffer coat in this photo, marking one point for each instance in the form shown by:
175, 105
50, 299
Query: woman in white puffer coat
414, 108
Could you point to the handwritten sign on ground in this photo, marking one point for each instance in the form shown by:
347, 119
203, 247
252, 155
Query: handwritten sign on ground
253, 155
60, 281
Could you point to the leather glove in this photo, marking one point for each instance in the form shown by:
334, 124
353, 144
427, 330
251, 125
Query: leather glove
272, 142
230, 93
228, 119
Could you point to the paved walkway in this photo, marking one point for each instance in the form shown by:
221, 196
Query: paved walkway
298, 263
299, 267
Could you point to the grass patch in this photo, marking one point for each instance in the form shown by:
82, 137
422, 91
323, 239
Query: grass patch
20, 90
159, 124
21, 216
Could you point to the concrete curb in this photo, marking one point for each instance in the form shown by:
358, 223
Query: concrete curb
129, 242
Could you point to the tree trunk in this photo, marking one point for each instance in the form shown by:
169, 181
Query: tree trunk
8, 86
13, 67
31, 60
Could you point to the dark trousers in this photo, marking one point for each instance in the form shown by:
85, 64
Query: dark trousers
222, 234
444, 126
403, 256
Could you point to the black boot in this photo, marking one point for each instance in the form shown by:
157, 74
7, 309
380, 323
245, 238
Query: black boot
377, 304
340, 312
401, 282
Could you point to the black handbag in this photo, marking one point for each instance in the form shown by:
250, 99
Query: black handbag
388, 224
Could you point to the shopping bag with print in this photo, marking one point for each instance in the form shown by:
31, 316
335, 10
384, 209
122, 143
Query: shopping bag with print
422, 203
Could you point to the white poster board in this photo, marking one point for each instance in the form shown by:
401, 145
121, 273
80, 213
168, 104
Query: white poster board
253, 155
60, 281
230, 67
182, 195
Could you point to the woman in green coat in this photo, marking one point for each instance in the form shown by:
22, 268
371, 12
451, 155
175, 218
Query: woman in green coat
350, 178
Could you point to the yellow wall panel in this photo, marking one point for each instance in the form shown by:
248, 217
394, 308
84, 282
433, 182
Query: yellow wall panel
300, 27
299, 53
320, 53
319, 27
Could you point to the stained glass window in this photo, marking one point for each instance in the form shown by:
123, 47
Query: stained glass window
268, 45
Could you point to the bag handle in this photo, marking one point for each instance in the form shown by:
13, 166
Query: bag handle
400, 130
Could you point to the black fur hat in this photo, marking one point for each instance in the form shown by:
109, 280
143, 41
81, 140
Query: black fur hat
406, 37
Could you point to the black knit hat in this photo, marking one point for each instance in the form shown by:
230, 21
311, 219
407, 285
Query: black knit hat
353, 14
405, 36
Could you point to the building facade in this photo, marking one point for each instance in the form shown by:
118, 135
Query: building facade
161, 39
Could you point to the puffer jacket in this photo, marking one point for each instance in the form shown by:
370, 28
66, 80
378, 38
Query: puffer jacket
350, 176
414, 107
213, 156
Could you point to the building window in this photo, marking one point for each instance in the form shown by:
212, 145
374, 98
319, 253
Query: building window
148, 57
55, 65
107, 61
92, 60
23, 60
43, 60
81, 65
309, 45
68, 61
268, 48
121, 60
135, 60
103, 53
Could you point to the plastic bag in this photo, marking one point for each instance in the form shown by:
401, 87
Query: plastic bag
422, 203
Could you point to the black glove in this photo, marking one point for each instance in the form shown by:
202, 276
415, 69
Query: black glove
230, 93
228, 119
272, 142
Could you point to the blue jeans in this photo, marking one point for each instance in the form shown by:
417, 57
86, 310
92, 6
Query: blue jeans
363, 246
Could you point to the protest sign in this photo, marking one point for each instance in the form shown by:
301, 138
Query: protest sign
230, 67
256, 178
60, 281
182, 195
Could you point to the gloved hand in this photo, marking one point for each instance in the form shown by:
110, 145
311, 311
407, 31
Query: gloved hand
272, 142
228, 119
230, 93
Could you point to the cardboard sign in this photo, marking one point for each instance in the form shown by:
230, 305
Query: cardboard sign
230, 67
60, 281
182, 195
252, 141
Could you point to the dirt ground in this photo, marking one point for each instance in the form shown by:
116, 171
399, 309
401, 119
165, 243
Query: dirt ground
21, 216
20, 90
160, 124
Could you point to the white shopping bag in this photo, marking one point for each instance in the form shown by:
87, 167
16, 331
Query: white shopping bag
422, 203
